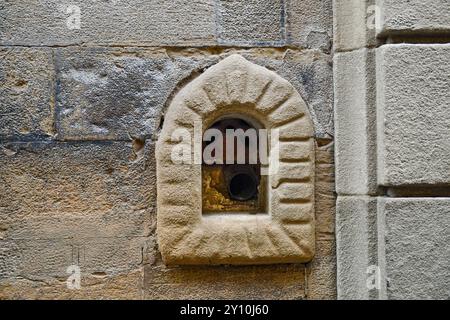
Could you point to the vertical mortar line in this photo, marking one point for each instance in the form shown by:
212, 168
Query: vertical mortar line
373, 134
54, 80
217, 25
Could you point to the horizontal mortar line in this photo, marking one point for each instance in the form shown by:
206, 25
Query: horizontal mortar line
417, 36
72, 238
172, 48
302, 160
293, 139
50, 141
299, 141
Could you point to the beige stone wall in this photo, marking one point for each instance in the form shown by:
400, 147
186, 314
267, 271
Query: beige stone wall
115, 245
80, 113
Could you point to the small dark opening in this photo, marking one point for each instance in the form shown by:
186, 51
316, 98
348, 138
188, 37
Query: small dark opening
229, 186
243, 187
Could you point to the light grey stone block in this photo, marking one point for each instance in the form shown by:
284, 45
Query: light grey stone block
417, 247
251, 22
27, 104
355, 122
354, 25
419, 16
118, 22
310, 23
359, 248
413, 118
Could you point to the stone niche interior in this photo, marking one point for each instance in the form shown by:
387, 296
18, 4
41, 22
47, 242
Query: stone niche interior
269, 221
234, 187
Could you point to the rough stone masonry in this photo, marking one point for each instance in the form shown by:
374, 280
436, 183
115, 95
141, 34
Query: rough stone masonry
80, 112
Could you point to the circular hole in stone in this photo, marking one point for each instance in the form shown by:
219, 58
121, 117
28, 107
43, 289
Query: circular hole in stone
243, 186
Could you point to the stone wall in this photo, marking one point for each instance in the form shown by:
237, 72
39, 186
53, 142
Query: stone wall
80, 111
391, 67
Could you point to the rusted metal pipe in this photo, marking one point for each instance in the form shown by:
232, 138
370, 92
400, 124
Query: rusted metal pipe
242, 182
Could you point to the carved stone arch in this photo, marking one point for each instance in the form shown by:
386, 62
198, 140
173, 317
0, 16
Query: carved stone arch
285, 234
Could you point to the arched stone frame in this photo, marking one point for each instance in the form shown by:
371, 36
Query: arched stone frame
286, 233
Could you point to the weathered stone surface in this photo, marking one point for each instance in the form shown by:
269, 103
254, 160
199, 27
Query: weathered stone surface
296, 151
310, 23
62, 204
355, 122
27, 81
272, 282
160, 23
354, 24
211, 239
156, 22
125, 286
413, 120
417, 250
251, 22
404, 16
231, 282
118, 93
358, 247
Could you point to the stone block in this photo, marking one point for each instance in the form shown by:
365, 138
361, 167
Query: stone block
310, 24
75, 190
413, 119
251, 23
229, 282
125, 23
359, 247
355, 122
116, 94
410, 17
93, 102
27, 104
417, 250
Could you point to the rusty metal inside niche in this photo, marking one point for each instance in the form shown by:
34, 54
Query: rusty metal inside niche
238, 188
